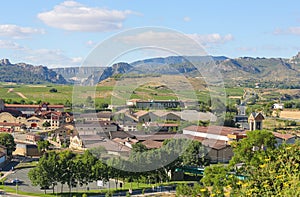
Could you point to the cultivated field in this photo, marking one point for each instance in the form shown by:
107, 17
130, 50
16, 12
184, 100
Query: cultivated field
290, 114
111, 91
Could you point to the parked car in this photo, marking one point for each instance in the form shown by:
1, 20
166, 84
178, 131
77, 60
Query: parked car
16, 181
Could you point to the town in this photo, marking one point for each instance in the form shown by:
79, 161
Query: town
142, 98
139, 126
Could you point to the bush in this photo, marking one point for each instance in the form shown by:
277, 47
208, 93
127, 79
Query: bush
53, 90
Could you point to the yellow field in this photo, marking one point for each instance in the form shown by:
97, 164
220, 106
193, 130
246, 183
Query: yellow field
290, 114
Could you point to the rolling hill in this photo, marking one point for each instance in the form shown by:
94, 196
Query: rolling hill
28, 74
237, 70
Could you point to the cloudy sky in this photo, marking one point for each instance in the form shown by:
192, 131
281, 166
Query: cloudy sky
62, 33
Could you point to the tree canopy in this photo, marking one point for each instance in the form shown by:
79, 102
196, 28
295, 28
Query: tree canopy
256, 141
7, 140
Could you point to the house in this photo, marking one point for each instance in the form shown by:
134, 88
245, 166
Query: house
31, 137
96, 127
215, 132
255, 121
193, 115
95, 117
54, 118
11, 127
34, 109
28, 150
76, 143
151, 144
165, 116
142, 116
241, 121
160, 127
35, 122
284, 138
111, 147
132, 102
129, 126
156, 104
126, 142
277, 106
216, 150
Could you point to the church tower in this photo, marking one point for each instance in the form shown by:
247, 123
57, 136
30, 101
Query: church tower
255, 121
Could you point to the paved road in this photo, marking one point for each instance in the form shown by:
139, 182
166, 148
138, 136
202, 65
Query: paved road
26, 186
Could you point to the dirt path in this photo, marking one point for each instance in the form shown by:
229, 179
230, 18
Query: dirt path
21, 95
18, 93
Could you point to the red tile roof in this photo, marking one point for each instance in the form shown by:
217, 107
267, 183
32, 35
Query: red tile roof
10, 124
218, 130
31, 106
21, 106
212, 143
283, 136
140, 113
152, 144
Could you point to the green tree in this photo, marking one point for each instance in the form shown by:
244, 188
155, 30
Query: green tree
249, 149
67, 169
277, 175
194, 154
84, 164
139, 147
46, 173
43, 145
215, 176
7, 140
53, 90
46, 124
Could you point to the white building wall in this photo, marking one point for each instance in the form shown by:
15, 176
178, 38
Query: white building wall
206, 135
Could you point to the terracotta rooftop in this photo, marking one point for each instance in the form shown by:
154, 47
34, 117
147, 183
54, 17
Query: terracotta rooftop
211, 143
96, 115
160, 136
10, 124
140, 113
218, 130
162, 113
283, 136
155, 124
152, 144
31, 106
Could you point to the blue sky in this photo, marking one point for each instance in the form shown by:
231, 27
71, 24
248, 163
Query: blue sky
62, 33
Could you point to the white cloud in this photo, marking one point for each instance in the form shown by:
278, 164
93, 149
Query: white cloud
152, 37
47, 57
290, 30
73, 16
207, 39
17, 32
6, 44
77, 60
50, 58
187, 19
174, 42
90, 43
294, 30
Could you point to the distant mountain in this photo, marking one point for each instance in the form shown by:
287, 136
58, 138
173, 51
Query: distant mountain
237, 69
119, 68
234, 70
29, 74
77, 74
